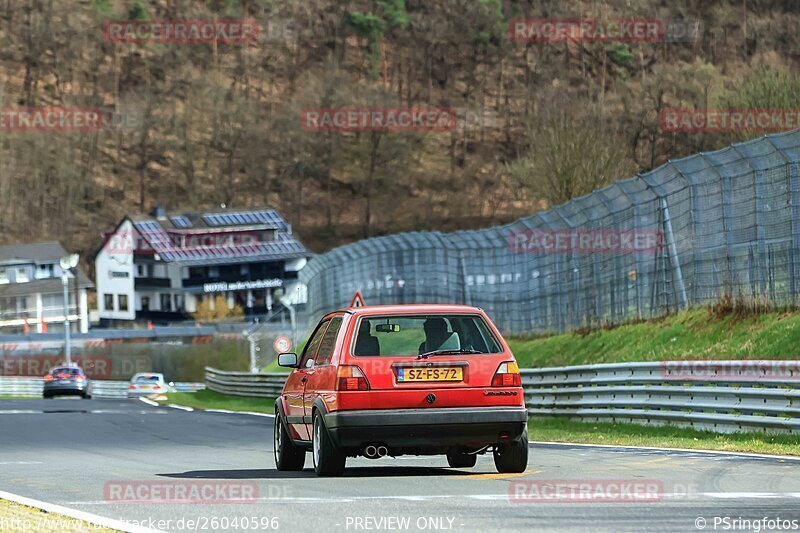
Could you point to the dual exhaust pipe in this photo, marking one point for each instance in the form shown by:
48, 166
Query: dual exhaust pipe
375, 452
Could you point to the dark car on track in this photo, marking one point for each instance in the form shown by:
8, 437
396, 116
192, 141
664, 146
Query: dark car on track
402, 380
67, 381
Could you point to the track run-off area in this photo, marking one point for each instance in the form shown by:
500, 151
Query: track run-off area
138, 463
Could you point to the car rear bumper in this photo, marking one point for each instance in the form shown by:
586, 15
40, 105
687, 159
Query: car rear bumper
472, 427
65, 388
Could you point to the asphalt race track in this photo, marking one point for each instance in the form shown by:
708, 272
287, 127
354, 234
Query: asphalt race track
76, 452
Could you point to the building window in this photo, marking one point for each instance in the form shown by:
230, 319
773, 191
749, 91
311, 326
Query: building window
108, 302
3, 276
123, 302
145, 303
166, 302
22, 275
140, 271
44, 271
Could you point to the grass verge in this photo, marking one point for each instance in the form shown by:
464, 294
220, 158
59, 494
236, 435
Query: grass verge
16, 517
206, 399
692, 334
566, 430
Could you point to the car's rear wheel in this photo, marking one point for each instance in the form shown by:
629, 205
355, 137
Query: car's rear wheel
512, 457
288, 456
328, 460
461, 459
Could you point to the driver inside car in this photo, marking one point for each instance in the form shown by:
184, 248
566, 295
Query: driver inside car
437, 337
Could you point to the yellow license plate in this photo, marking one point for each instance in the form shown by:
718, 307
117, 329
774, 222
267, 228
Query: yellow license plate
405, 375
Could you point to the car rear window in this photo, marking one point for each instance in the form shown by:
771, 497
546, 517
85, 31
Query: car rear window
71, 371
418, 334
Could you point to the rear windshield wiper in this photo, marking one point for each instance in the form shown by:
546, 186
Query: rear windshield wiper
448, 352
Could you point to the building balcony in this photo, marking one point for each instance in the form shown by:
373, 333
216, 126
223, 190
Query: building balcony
152, 283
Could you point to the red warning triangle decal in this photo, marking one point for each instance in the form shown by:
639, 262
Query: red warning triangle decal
358, 300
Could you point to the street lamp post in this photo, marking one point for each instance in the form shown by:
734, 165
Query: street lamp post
68, 263
67, 343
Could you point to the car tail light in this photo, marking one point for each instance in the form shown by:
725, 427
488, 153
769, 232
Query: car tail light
48, 377
507, 375
351, 378
78, 378
156, 387
131, 387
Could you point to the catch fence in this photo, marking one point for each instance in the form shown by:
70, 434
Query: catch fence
687, 233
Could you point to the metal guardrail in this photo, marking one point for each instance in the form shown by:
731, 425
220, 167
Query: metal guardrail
101, 389
266, 385
719, 396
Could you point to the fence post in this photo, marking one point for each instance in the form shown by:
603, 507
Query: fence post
673, 254
794, 247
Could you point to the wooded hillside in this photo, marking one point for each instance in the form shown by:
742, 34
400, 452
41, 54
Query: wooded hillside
190, 125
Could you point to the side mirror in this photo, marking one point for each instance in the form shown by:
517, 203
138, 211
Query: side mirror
288, 360
171, 383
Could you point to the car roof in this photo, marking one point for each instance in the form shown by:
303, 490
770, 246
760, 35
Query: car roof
66, 367
148, 375
410, 309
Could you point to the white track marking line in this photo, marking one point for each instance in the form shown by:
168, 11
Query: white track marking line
74, 513
21, 463
148, 401
257, 414
228, 412
21, 412
751, 495
682, 450
181, 407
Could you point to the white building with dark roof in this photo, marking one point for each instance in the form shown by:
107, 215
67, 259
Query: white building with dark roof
161, 267
32, 294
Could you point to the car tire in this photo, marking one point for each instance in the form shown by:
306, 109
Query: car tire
461, 460
328, 460
47, 396
288, 456
512, 458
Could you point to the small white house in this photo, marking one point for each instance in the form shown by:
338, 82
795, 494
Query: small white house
32, 292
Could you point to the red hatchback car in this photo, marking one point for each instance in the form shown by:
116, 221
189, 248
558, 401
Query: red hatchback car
398, 380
